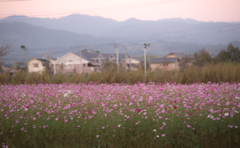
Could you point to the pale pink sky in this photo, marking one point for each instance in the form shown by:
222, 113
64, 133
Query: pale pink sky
120, 10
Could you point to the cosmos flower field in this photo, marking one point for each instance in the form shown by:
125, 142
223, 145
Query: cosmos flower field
120, 115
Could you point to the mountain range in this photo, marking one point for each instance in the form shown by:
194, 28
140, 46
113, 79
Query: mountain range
76, 32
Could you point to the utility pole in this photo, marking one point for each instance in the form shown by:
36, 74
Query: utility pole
126, 59
25, 49
26, 56
18, 55
145, 59
117, 62
80, 62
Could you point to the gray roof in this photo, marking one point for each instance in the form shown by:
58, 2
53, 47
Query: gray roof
162, 60
43, 60
106, 55
121, 56
88, 54
178, 54
181, 55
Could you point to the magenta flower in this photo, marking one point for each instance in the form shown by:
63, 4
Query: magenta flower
164, 123
74, 104
162, 106
227, 103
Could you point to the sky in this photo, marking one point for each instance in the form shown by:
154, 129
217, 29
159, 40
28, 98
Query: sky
121, 10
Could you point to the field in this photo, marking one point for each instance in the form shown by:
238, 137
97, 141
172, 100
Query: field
120, 115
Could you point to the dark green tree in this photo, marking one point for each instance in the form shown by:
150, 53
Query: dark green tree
201, 58
232, 54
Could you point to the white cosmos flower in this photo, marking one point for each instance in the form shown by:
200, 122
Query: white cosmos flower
157, 136
218, 118
236, 111
226, 114
210, 116
154, 130
26, 109
119, 125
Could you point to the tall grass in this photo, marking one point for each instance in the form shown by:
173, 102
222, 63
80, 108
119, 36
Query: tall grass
221, 72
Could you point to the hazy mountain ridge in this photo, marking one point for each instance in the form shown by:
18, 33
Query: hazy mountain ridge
173, 30
76, 32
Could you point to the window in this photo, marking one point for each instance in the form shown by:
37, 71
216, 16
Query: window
35, 65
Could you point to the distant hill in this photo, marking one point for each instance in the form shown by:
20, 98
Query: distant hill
39, 39
134, 30
76, 32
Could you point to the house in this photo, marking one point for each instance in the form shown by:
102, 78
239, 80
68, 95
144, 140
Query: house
164, 63
178, 55
37, 65
8, 68
136, 62
79, 62
124, 59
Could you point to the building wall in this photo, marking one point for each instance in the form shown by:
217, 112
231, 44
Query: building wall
161, 66
32, 68
171, 56
75, 68
70, 59
70, 63
133, 61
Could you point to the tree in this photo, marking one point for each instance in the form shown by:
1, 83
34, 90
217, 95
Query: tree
25, 49
202, 57
231, 54
5, 49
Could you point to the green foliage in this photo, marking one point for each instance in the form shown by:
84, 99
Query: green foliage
202, 57
5, 78
232, 54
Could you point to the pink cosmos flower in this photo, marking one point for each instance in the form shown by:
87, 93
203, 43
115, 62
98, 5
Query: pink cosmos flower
74, 104
97, 136
163, 135
227, 103
66, 121
162, 106
164, 123
34, 118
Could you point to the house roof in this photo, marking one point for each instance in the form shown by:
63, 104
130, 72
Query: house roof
88, 55
180, 55
121, 56
42, 60
162, 60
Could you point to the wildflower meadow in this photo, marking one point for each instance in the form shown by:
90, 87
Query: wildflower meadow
120, 115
